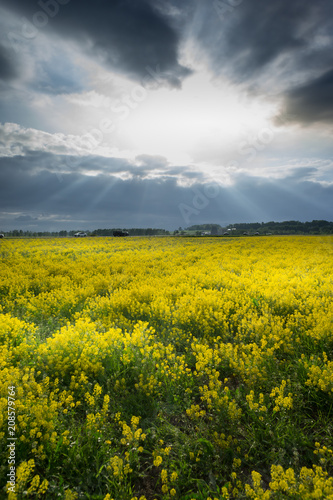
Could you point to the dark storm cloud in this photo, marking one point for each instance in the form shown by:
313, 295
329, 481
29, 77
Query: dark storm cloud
263, 30
310, 103
126, 35
7, 66
242, 41
140, 201
87, 197
259, 35
43, 176
281, 199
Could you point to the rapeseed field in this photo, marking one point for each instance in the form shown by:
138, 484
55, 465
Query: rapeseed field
167, 368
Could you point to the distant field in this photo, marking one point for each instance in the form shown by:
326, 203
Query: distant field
167, 368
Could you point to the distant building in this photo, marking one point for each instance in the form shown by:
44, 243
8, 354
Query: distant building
80, 234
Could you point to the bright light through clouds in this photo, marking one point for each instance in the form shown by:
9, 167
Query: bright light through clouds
204, 114
121, 113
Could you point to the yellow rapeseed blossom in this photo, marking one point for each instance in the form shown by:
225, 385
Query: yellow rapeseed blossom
158, 460
281, 401
164, 476
70, 495
233, 334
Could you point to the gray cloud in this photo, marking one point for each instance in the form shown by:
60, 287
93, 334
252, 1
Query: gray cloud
25, 218
267, 46
126, 35
310, 103
7, 68
106, 199
264, 30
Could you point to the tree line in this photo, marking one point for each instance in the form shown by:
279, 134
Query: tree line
283, 228
95, 232
286, 227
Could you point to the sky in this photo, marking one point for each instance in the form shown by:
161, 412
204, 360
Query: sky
164, 113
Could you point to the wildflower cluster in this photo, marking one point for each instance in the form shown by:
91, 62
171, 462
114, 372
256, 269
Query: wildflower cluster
259, 406
309, 484
281, 401
320, 373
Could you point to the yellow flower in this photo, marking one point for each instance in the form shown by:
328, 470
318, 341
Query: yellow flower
164, 476
174, 476
43, 487
70, 495
158, 460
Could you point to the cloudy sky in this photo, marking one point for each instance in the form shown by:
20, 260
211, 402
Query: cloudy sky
164, 113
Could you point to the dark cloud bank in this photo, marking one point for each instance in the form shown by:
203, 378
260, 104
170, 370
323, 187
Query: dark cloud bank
105, 199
